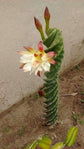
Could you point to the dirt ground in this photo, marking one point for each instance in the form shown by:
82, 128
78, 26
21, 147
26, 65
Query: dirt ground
24, 122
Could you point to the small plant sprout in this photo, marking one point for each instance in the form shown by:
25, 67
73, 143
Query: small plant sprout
21, 131
75, 116
82, 122
47, 61
78, 67
82, 100
36, 96
45, 142
7, 129
82, 92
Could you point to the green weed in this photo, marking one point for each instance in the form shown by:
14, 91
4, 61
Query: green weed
78, 67
7, 129
82, 92
81, 121
82, 100
75, 116
36, 96
21, 131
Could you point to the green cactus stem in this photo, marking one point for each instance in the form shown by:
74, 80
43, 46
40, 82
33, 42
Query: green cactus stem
53, 42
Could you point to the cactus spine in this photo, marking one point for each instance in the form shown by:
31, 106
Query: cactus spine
53, 42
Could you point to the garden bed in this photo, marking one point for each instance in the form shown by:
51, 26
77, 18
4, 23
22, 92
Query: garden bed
24, 122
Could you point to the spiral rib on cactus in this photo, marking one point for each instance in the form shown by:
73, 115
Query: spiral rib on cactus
53, 42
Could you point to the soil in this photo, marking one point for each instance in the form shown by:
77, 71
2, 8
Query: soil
24, 122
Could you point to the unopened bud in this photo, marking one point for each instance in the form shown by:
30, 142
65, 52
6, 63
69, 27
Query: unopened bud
37, 24
39, 27
47, 18
41, 93
46, 14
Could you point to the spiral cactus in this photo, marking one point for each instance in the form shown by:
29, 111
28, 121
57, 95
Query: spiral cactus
53, 42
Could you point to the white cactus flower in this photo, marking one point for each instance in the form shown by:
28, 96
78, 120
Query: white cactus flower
36, 61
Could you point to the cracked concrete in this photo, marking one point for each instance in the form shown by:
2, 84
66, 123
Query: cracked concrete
17, 30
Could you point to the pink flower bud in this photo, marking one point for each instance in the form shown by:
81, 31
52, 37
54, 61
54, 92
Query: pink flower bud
37, 24
41, 93
46, 14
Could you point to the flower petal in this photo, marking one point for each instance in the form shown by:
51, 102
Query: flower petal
27, 67
26, 58
51, 54
23, 52
37, 69
46, 66
38, 73
52, 61
30, 49
40, 47
21, 67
